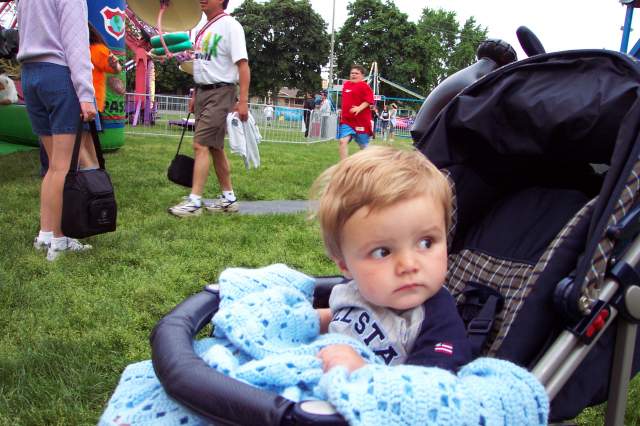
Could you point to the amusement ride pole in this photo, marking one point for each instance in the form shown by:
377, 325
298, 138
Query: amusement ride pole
333, 18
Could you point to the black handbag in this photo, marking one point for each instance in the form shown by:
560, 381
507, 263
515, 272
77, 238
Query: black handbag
88, 202
181, 167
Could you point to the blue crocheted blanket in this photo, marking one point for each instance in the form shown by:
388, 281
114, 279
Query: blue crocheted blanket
267, 335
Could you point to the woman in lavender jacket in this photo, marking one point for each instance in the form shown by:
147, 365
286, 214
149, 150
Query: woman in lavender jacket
58, 90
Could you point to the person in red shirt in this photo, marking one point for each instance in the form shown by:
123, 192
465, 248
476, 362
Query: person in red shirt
355, 121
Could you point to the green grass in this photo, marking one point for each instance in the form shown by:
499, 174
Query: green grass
70, 327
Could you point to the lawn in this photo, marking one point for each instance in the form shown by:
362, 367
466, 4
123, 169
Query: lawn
70, 327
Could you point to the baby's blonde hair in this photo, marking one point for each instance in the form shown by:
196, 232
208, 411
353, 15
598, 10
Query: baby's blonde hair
375, 177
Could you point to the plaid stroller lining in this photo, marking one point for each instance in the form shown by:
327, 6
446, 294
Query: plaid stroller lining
513, 280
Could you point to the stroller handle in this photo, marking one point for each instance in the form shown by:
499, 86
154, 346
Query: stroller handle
216, 397
491, 54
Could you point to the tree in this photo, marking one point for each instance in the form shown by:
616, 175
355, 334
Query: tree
287, 43
170, 79
442, 47
417, 56
376, 31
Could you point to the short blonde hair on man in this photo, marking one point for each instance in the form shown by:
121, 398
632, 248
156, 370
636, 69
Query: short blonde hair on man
375, 177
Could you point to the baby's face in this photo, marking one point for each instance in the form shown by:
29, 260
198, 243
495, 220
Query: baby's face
397, 255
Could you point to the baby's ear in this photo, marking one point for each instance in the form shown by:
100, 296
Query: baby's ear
342, 265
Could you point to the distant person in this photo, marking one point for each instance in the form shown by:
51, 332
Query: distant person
58, 92
393, 115
220, 65
325, 114
309, 105
355, 121
104, 62
268, 114
384, 215
376, 117
8, 92
384, 122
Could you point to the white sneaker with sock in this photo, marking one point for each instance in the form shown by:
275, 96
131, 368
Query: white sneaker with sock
65, 244
186, 208
42, 241
223, 205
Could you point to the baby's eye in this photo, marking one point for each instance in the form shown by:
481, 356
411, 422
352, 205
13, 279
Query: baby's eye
380, 252
425, 243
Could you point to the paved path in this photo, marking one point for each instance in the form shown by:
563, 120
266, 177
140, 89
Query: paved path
271, 207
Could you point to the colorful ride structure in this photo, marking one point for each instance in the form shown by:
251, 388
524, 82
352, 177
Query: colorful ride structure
140, 108
110, 18
626, 29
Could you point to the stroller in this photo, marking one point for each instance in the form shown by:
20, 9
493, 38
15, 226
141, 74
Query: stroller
544, 158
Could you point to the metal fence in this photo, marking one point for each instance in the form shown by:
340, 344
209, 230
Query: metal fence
162, 115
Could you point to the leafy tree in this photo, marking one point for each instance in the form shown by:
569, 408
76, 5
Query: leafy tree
442, 47
417, 56
287, 43
170, 79
377, 31
471, 35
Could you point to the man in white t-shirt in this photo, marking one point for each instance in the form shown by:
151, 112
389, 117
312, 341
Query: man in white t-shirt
220, 63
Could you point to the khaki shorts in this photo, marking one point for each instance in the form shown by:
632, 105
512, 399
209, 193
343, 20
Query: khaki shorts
211, 109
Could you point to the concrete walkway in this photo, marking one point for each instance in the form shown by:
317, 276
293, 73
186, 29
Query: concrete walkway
271, 207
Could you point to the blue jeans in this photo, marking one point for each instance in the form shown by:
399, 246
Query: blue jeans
52, 103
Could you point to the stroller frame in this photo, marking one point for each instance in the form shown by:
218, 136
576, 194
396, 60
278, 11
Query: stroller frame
567, 352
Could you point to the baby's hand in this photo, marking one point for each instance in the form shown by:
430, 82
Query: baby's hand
344, 355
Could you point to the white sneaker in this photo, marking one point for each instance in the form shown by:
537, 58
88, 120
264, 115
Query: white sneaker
185, 209
222, 205
71, 244
39, 244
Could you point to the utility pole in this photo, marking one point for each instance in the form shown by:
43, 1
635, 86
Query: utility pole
333, 32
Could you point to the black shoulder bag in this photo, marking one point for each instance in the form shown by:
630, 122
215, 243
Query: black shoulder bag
89, 204
181, 167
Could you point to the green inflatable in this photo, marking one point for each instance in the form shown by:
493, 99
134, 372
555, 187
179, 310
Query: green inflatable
16, 132
173, 48
169, 38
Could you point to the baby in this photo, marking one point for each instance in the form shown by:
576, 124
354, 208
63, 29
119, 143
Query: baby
384, 215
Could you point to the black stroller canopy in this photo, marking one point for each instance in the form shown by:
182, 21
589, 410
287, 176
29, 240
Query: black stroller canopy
561, 108
540, 122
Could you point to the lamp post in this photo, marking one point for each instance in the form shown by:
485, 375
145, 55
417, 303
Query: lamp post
333, 18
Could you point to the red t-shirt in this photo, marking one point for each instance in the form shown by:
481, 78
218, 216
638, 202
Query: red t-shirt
354, 94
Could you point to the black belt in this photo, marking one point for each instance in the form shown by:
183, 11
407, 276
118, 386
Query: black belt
213, 86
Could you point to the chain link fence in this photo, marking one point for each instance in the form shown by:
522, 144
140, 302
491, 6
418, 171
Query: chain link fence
162, 115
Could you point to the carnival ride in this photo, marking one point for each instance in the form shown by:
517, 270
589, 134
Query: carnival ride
626, 29
136, 24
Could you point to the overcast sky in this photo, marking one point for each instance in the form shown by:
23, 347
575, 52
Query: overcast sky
559, 24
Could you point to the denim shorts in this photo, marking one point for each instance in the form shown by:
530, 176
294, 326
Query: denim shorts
361, 138
51, 99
